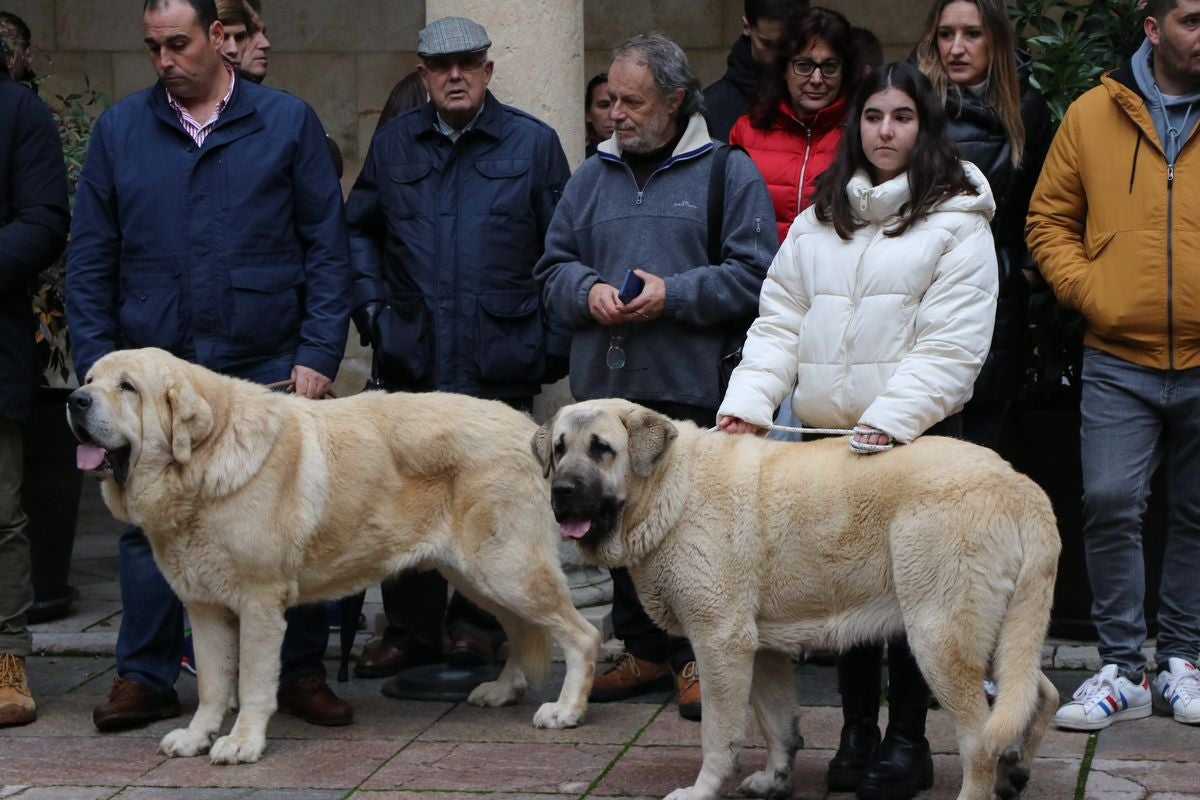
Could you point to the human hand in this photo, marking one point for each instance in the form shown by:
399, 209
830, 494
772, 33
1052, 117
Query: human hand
867, 439
309, 383
650, 303
603, 304
731, 424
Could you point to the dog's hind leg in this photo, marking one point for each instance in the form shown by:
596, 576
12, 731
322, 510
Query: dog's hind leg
955, 674
773, 698
510, 684
726, 668
214, 631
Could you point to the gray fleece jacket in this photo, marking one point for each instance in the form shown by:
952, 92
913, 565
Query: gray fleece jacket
604, 226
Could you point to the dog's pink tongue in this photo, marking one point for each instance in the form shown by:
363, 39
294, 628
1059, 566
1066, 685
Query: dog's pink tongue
574, 530
89, 457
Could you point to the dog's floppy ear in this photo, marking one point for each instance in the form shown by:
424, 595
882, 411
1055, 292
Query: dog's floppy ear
191, 418
542, 446
650, 435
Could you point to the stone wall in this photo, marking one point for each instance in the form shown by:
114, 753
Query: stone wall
344, 57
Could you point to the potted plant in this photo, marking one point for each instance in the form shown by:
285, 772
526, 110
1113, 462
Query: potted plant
51, 485
1072, 44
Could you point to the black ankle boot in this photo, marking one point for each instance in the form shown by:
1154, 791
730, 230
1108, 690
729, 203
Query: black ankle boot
902, 765
859, 671
849, 764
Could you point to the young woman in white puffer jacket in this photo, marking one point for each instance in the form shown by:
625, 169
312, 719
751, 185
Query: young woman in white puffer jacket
878, 309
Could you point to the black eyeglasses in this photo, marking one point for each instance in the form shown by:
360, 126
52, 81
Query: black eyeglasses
804, 67
468, 62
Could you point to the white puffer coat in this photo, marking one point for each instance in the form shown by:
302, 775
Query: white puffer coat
887, 331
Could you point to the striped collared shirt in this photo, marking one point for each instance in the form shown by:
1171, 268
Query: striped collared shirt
199, 130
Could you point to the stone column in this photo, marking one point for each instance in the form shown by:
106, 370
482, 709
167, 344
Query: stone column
538, 49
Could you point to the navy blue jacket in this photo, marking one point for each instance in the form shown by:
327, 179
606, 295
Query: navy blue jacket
448, 233
229, 255
33, 230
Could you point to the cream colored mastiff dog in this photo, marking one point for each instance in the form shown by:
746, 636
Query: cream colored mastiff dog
756, 549
254, 501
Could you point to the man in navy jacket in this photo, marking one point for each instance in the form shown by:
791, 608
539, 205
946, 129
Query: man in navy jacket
208, 222
447, 219
33, 230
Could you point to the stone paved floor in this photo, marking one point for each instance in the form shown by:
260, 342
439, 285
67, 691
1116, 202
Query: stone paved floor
399, 749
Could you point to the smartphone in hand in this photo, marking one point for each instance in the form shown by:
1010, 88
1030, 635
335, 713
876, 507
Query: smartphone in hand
631, 287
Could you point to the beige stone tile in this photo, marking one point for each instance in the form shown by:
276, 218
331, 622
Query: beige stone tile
1152, 739
367, 25
473, 766
104, 25
71, 72
443, 795
132, 72
39, 16
326, 82
708, 64
58, 792
691, 23
321, 764
656, 771
375, 76
893, 21
606, 723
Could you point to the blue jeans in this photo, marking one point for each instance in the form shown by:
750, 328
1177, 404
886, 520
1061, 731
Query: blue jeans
1133, 418
150, 641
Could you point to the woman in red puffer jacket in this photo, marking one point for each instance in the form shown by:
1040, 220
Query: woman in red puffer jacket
792, 133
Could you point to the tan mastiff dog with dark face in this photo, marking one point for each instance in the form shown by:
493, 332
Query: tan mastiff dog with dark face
254, 501
757, 549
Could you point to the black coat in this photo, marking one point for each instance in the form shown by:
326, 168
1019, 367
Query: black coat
982, 140
34, 217
730, 97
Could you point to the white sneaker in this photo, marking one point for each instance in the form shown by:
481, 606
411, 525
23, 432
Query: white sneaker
1177, 691
1103, 699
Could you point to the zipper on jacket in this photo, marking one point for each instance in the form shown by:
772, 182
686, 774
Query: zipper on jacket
1170, 266
803, 170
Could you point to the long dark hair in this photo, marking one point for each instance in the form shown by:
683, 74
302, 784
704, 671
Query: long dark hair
800, 29
934, 170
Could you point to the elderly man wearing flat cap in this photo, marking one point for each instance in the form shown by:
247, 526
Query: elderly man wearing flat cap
447, 219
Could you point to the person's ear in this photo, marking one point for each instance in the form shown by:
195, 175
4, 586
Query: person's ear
1150, 26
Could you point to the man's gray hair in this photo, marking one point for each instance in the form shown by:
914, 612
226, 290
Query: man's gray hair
669, 67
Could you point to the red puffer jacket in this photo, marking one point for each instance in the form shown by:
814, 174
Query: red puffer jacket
791, 154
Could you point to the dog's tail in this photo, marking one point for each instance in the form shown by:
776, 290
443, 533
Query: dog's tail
1023, 691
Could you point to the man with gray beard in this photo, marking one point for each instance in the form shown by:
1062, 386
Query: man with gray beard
641, 207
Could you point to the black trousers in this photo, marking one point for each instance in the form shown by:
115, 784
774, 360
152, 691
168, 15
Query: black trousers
631, 624
419, 603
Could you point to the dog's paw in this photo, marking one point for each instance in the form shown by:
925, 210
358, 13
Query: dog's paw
690, 793
233, 750
766, 783
184, 743
495, 693
557, 715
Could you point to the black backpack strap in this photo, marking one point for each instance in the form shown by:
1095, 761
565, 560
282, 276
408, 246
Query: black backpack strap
716, 200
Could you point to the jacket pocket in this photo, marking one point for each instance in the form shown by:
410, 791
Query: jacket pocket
267, 301
510, 344
405, 196
506, 188
151, 309
405, 344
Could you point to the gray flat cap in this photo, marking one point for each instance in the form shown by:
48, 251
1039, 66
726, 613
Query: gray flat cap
450, 35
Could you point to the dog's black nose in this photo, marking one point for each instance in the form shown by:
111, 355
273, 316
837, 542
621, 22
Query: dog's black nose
79, 400
561, 492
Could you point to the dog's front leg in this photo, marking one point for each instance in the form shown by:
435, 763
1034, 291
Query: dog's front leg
726, 665
214, 632
261, 631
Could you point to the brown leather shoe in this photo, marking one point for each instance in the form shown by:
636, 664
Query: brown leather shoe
313, 701
687, 684
16, 703
381, 659
630, 677
131, 704
469, 650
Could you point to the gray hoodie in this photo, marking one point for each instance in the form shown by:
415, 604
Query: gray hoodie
1181, 112
604, 226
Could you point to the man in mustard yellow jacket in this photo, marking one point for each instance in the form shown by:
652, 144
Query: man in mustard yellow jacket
1114, 226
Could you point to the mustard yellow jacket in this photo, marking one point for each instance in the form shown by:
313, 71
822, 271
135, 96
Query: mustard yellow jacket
1116, 233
